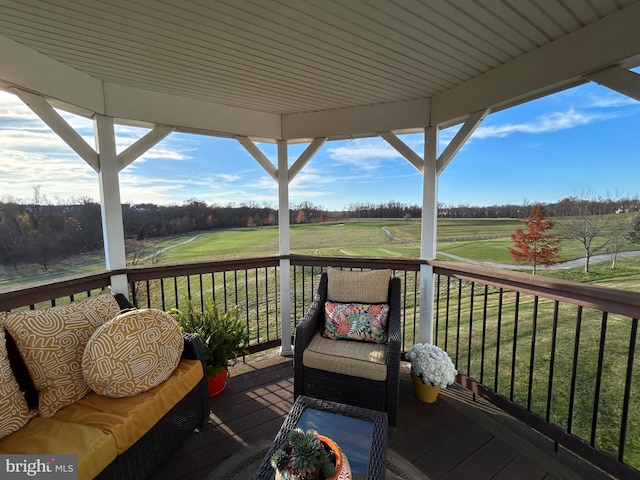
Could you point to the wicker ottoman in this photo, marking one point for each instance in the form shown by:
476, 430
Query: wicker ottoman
359, 432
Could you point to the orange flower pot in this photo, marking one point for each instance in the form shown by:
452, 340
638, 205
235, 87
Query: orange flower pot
343, 469
218, 383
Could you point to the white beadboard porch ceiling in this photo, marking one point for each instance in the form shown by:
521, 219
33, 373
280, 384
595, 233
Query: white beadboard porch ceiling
288, 57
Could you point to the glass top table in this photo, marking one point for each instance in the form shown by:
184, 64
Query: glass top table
360, 433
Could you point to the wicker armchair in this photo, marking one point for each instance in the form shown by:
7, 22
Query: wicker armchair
381, 394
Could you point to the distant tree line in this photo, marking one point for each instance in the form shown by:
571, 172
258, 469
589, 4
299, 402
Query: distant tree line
42, 232
142, 221
391, 209
563, 208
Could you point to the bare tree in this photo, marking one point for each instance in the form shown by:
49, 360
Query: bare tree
588, 224
143, 252
620, 228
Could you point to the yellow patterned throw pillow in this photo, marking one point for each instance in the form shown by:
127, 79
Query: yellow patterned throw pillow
51, 342
134, 352
14, 411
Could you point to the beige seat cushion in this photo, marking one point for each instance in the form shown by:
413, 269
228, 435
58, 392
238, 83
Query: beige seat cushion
127, 419
358, 359
48, 436
371, 286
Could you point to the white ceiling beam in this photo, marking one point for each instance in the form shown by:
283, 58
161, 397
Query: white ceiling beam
30, 70
458, 141
619, 79
58, 124
403, 149
143, 145
352, 122
302, 160
260, 157
559, 64
189, 115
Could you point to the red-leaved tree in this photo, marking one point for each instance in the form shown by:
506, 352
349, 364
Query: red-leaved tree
536, 246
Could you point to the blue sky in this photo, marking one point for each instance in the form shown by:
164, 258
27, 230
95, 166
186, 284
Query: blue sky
586, 139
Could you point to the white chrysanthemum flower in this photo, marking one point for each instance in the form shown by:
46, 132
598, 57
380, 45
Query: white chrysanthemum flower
432, 364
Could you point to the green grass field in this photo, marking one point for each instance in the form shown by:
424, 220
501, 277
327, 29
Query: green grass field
351, 238
367, 238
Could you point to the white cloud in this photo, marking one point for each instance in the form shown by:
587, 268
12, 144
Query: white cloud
226, 178
26, 140
611, 101
365, 155
58, 177
165, 153
551, 122
136, 189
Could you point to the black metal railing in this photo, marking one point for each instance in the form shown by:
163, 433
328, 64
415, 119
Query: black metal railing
250, 284
558, 355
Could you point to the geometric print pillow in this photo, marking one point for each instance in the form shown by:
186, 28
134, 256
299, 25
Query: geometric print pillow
14, 411
51, 342
356, 321
133, 353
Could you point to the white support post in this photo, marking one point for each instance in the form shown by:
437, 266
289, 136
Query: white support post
120, 284
108, 165
285, 247
428, 233
283, 175
112, 225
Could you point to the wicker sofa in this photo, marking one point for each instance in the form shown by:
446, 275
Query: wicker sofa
114, 438
337, 370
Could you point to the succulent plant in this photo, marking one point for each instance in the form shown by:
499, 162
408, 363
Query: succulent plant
305, 457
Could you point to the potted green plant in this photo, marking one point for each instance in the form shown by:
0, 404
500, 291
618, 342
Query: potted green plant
309, 456
224, 337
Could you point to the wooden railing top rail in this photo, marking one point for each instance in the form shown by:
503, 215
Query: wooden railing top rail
43, 291
410, 264
168, 270
591, 296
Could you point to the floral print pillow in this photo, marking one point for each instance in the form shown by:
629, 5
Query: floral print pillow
356, 321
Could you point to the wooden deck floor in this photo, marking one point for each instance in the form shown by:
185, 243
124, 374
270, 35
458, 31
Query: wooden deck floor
455, 438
